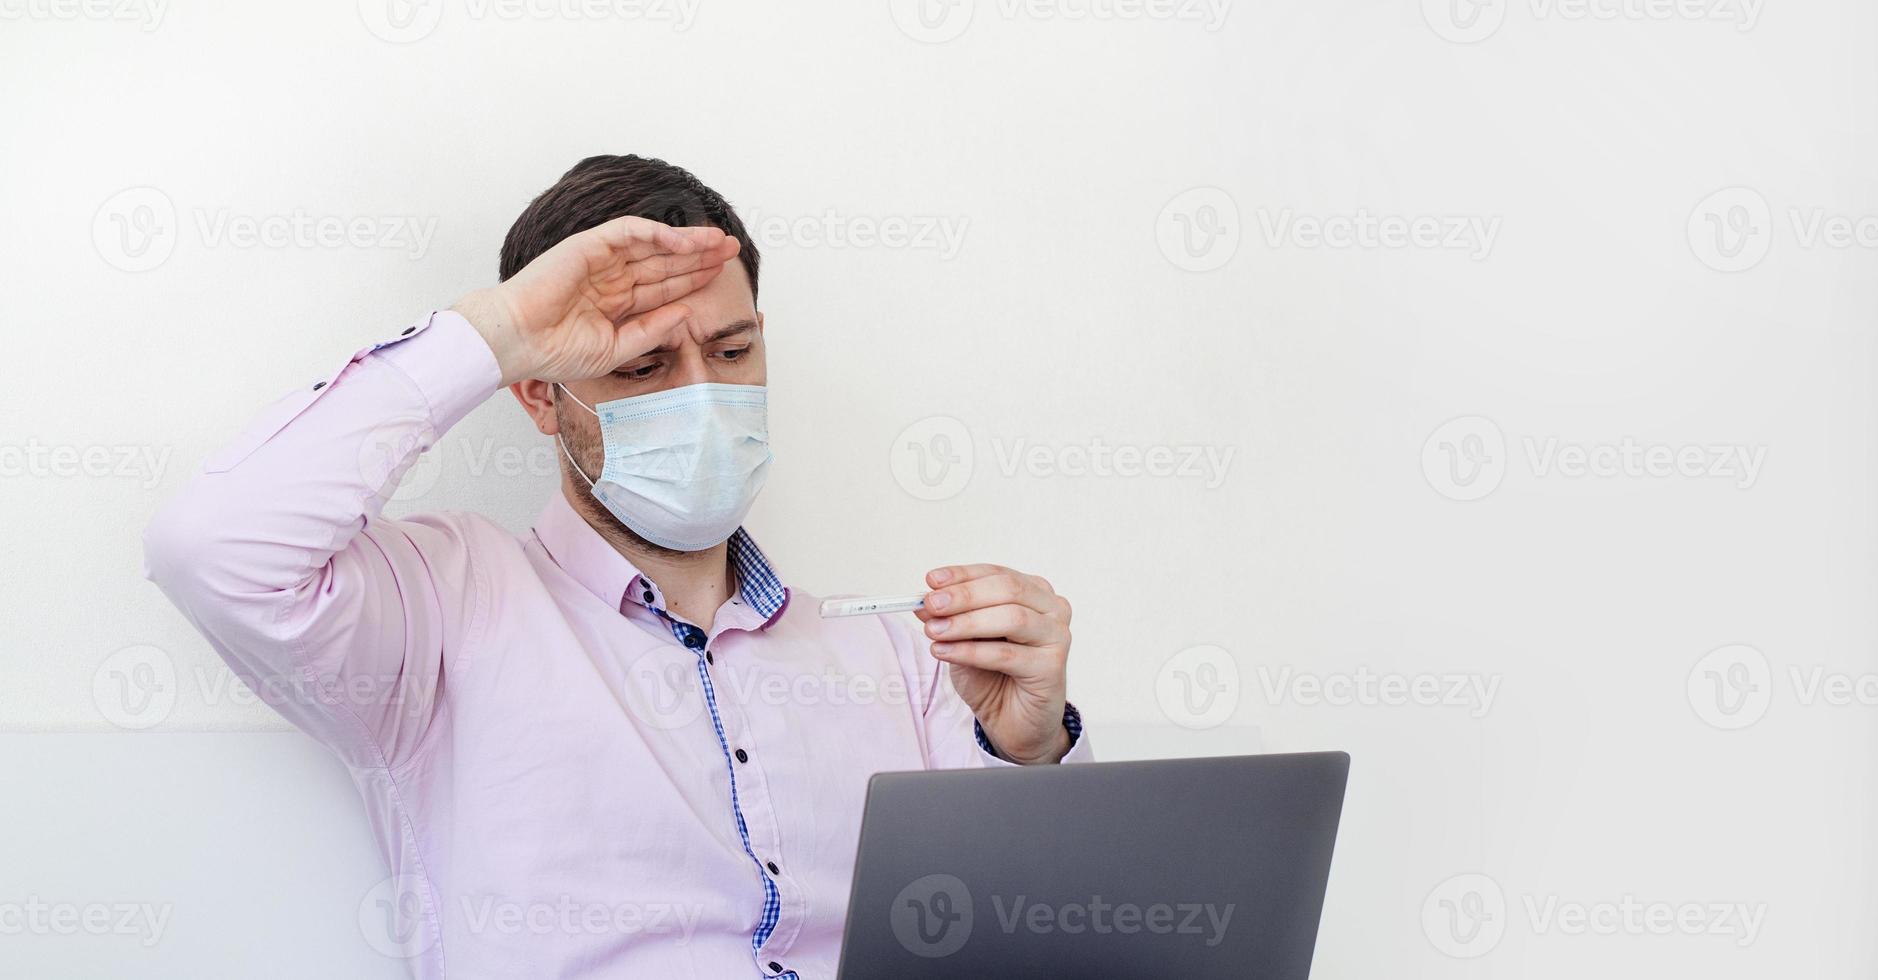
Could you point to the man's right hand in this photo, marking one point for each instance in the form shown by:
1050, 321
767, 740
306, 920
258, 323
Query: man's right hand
596, 299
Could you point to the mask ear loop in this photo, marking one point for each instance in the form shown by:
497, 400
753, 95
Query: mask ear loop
563, 442
577, 400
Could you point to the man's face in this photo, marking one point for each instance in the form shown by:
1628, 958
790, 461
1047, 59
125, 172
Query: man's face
721, 342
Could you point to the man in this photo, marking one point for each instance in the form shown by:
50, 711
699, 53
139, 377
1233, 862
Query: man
616, 745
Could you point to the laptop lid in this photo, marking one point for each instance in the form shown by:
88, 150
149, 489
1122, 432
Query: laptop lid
1191, 868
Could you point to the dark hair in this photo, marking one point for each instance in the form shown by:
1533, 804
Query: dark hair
601, 188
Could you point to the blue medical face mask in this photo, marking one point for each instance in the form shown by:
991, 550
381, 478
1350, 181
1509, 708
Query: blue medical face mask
683, 465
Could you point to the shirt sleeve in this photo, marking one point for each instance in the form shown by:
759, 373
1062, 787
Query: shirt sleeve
278, 554
1072, 723
953, 738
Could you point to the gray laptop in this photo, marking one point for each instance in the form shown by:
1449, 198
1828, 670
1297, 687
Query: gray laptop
1188, 868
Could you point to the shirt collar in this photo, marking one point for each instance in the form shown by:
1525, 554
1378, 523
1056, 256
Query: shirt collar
581, 552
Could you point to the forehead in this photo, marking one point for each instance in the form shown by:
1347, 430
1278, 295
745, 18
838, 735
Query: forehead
722, 301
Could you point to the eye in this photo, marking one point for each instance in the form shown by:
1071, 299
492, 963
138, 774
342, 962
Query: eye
733, 353
637, 373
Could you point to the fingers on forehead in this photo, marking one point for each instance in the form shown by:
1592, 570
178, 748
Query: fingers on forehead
631, 230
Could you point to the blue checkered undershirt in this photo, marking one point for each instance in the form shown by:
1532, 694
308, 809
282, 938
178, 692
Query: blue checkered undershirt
763, 591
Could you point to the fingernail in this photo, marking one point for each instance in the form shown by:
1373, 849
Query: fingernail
941, 576
938, 602
937, 626
941, 649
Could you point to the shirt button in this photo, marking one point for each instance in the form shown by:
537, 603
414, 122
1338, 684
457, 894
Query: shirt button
708, 658
773, 869
408, 331
743, 756
318, 385
775, 967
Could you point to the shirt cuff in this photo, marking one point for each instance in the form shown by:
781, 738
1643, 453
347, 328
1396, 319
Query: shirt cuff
1072, 723
448, 361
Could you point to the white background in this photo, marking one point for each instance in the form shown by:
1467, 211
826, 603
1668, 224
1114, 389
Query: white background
1130, 197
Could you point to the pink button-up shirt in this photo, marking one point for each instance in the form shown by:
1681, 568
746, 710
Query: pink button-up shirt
536, 750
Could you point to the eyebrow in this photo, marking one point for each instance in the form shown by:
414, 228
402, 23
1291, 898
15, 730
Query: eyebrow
730, 330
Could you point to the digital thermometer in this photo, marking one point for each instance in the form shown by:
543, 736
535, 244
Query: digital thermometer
872, 605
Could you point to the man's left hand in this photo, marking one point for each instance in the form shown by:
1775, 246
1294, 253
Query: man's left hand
1006, 635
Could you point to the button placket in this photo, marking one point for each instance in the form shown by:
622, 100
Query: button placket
760, 819
746, 784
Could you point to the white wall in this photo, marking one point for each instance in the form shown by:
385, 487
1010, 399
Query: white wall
1126, 267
